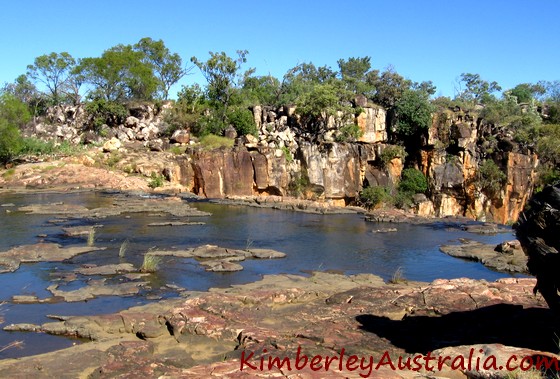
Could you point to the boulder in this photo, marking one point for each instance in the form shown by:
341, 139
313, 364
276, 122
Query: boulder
181, 136
112, 145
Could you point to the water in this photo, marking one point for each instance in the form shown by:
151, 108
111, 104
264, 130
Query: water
341, 243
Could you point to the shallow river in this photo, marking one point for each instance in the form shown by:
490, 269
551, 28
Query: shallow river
341, 243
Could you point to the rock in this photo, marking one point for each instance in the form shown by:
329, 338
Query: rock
175, 223
537, 231
181, 136
230, 132
131, 122
111, 269
385, 230
42, 252
488, 256
112, 145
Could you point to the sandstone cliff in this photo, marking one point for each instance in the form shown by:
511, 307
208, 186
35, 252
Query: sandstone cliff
285, 160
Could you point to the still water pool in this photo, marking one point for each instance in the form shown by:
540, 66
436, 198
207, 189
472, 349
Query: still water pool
342, 243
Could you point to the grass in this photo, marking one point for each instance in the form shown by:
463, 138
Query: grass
211, 142
122, 249
398, 277
151, 263
18, 344
91, 237
155, 181
9, 173
248, 244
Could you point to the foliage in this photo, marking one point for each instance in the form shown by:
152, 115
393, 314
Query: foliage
10, 141
121, 73
476, 89
212, 141
391, 152
151, 263
223, 76
54, 71
389, 87
413, 181
398, 277
526, 92
91, 237
14, 111
261, 90
167, 66
299, 184
371, 197
102, 112
354, 73
123, 248
349, 133
287, 154
155, 181
243, 121
490, 177
414, 112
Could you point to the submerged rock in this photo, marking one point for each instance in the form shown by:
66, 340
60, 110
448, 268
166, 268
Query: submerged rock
41, 252
511, 261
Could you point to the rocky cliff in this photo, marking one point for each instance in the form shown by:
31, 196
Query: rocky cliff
285, 160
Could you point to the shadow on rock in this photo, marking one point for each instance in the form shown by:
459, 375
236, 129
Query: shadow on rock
506, 324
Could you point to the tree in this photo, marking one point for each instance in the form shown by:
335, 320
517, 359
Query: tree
119, 74
354, 72
223, 76
53, 70
261, 90
477, 90
167, 66
414, 112
389, 87
13, 115
525, 92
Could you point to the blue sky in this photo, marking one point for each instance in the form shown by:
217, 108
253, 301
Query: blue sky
510, 41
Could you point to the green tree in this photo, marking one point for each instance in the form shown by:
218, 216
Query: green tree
354, 73
224, 78
167, 66
14, 111
26, 92
476, 89
10, 141
389, 87
261, 90
54, 71
119, 74
526, 92
319, 104
414, 112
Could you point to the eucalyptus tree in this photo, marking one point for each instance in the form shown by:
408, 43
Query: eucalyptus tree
167, 66
54, 71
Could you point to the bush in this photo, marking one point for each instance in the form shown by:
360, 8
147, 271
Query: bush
243, 121
391, 152
10, 141
413, 181
349, 133
155, 181
490, 177
371, 197
106, 112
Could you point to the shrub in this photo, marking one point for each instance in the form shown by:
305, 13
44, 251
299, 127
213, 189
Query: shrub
10, 141
391, 152
490, 177
155, 181
287, 154
349, 133
371, 197
243, 121
413, 181
106, 112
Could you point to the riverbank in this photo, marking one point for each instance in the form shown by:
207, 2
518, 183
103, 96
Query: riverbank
211, 334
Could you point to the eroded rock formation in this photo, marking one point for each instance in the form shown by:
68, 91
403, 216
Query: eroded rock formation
538, 231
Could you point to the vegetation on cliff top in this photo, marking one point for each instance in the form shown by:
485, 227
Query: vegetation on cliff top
325, 98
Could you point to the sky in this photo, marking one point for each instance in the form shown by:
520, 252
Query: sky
507, 41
